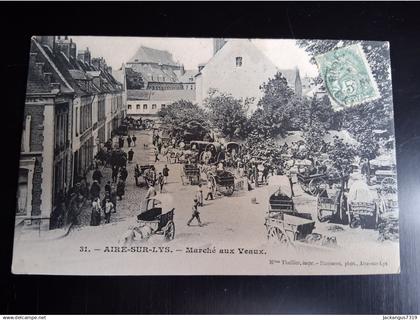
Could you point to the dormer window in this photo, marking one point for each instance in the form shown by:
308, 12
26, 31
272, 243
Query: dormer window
238, 61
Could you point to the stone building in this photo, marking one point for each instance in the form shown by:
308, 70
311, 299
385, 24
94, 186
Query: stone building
238, 67
72, 105
154, 80
45, 171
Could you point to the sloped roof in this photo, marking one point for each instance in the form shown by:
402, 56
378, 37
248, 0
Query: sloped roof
161, 95
185, 78
154, 73
150, 55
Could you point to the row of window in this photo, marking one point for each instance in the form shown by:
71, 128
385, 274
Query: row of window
145, 106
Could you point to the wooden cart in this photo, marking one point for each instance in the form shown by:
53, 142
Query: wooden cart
190, 174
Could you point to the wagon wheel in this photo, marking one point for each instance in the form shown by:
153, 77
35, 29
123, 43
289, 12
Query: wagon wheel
275, 234
304, 186
229, 190
170, 231
316, 185
389, 185
320, 217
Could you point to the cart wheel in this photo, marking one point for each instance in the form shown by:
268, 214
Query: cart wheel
275, 234
389, 185
316, 185
170, 231
354, 223
229, 190
320, 217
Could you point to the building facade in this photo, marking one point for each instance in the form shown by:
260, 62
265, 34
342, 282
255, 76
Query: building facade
70, 100
239, 68
155, 80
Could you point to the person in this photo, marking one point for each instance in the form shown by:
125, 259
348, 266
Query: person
109, 207
97, 175
95, 217
120, 188
123, 174
113, 197
289, 176
95, 190
151, 192
134, 138
195, 214
114, 174
130, 155
161, 181
137, 173
156, 155
210, 192
199, 195
129, 141
108, 187
121, 142
265, 172
165, 172
159, 145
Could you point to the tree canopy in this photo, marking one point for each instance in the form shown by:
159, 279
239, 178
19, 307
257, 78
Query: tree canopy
227, 113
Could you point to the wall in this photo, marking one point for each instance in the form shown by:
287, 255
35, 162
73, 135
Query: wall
222, 73
149, 111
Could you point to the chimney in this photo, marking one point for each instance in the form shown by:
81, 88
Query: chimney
96, 63
73, 49
48, 41
109, 69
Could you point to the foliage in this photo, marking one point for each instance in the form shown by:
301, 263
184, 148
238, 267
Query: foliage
134, 79
370, 115
369, 146
342, 155
275, 110
227, 113
185, 118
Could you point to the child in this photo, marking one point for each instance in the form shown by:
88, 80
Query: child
195, 214
161, 181
109, 207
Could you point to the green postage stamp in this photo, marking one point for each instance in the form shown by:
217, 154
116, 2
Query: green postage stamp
347, 76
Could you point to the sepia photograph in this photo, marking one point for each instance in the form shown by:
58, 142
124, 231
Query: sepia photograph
207, 156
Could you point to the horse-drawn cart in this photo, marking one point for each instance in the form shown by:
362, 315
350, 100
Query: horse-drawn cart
283, 223
331, 205
224, 181
362, 207
312, 183
155, 218
190, 173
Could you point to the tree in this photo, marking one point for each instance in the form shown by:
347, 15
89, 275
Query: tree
370, 115
368, 147
342, 156
185, 118
227, 113
276, 108
134, 79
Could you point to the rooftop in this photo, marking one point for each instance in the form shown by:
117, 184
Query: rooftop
150, 55
161, 95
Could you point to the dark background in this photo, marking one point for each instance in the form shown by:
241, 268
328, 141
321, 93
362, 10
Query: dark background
383, 294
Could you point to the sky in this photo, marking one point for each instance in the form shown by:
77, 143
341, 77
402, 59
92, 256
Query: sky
192, 51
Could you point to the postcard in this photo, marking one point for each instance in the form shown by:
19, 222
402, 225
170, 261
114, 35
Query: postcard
200, 156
